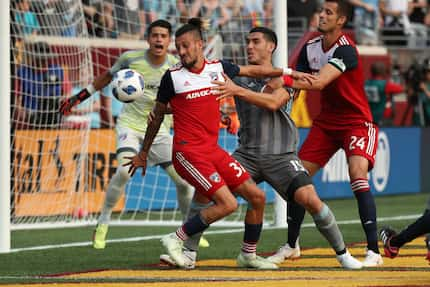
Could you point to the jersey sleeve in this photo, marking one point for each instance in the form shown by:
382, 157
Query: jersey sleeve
302, 64
344, 58
166, 90
232, 70
121, 63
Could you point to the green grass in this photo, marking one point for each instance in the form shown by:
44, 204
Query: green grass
138, 255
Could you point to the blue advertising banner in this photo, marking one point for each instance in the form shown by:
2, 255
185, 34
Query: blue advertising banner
397, 170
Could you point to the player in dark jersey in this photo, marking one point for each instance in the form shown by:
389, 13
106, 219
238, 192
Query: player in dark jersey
196, 154
345, 121
268, 145
393, 241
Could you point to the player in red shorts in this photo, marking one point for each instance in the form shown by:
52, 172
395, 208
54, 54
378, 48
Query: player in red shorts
345, 121
196, 154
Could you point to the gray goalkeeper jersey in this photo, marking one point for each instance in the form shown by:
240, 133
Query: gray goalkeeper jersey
263, 131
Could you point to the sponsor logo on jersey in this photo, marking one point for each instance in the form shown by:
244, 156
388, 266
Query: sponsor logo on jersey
381, 171
187, 84
215, 177
197, 94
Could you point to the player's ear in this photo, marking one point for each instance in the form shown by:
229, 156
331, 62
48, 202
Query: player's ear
342, 20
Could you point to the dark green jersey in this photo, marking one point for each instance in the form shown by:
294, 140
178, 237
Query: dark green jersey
375, 90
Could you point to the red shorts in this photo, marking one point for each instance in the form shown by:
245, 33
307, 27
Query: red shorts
209, 171
322, 143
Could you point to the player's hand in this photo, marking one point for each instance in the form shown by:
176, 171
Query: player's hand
225, 89
300, 76
231, 126
135, 162
67, 105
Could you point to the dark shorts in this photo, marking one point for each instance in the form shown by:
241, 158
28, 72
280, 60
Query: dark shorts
280, 171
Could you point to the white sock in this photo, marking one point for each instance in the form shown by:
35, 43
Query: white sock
114, 192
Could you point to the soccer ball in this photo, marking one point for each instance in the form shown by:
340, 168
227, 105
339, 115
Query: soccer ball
128, 85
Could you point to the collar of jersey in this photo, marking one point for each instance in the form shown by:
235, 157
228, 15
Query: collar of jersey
199, 70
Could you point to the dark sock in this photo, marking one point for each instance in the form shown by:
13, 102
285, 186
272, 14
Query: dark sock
295, 216
420, 227
252, 232
367, 211
195, 225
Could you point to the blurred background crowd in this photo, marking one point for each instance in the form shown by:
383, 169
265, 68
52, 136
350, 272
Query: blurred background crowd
399, 24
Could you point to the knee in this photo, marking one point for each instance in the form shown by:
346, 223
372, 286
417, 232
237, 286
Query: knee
122, 173
230, 206
308, 198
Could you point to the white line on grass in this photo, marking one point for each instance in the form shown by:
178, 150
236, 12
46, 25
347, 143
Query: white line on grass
223, 231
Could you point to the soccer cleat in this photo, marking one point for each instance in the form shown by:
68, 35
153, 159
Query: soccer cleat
372, 259
386, 234
252, 260
189, 259
99, 236
173, 245
348, 261
285, 252
204, 243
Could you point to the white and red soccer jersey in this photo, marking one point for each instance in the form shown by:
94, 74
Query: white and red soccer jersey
343, 101
196, 112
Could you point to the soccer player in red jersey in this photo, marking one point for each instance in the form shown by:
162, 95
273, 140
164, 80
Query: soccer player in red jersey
345, 120
196, 154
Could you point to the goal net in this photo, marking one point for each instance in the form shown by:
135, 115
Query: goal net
61, 166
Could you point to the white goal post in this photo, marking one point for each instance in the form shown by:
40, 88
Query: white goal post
53, 172
4, 131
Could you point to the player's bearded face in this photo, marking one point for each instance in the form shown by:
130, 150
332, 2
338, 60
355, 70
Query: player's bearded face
189, 49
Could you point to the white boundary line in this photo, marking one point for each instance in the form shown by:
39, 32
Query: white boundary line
223, 231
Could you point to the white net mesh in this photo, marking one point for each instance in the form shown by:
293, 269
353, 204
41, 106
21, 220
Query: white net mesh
61, 166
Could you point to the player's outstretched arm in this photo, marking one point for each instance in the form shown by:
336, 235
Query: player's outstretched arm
327, 74
154, 124
268, 98
99, 83
259, 71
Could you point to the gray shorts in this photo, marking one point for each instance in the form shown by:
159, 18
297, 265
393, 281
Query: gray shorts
280, 171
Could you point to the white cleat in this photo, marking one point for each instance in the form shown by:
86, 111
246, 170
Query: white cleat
189, 259
173, 246
372, 259
348, 261
285, 252
252, 260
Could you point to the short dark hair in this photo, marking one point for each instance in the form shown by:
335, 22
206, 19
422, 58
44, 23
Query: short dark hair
344, 8
378, 69
159, 23
193, 25
268, 34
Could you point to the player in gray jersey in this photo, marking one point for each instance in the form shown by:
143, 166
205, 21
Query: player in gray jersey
268, 145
